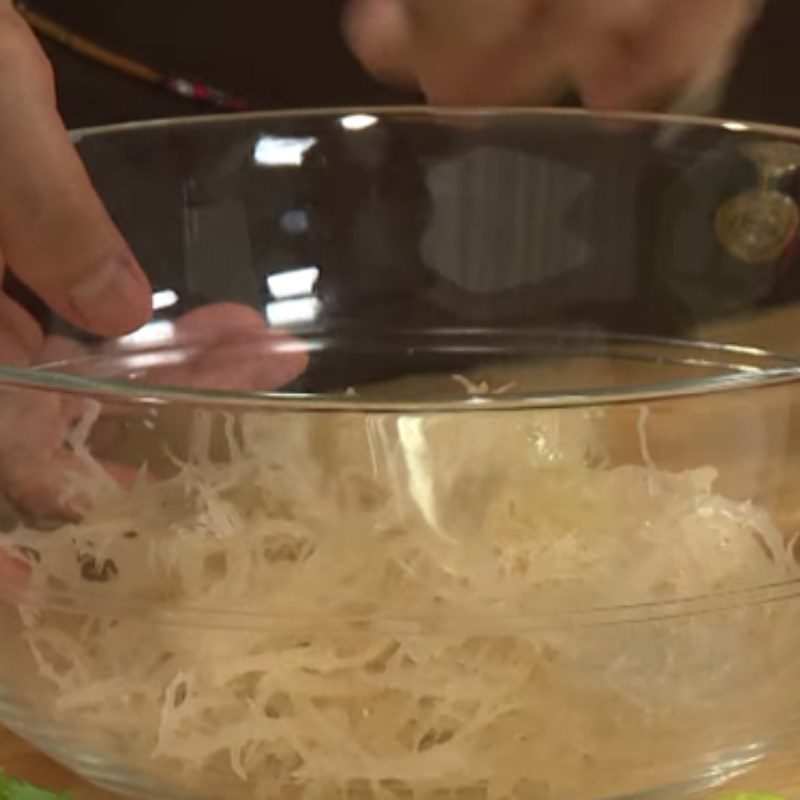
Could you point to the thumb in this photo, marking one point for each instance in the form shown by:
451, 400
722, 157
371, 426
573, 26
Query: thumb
54, 231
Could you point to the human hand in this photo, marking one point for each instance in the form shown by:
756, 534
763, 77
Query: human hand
58, 239
55, 233
617, 54
43, 463
223, 346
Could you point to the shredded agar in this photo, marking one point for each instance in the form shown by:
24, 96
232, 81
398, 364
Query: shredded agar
403, 578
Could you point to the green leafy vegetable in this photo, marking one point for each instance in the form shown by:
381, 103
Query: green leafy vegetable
14, 790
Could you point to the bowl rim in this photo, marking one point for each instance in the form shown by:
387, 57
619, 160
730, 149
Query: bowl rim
732, 125
783, 368
736, 376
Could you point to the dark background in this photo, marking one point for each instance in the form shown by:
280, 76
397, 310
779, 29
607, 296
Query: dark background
292, 54
653, 266
274, 55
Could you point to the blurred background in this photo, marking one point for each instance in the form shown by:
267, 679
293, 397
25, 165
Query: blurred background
292, 54
266, 55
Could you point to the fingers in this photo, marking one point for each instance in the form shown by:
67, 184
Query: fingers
235, 350
55, 349
41, 472
466, 52
649, 61
54, 231
499, 52
32, 435
380, 35
225, 346
21, 337
14, 572
620, 54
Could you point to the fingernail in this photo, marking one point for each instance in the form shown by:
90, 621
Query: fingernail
114, 299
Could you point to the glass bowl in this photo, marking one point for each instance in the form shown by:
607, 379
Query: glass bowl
460, 459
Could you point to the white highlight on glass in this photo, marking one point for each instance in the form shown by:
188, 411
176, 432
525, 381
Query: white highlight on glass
292, 312
165, 298
735, 126
154, 333
282, 151
358, 122
298, 282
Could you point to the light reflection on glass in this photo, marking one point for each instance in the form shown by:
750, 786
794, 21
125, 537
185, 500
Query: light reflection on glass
282, 151
297, 282
295, 221
736, 126
292, 312
358, 122
165, 298
155, 333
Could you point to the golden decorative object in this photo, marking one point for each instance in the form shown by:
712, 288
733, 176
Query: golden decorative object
756, 226
775, 160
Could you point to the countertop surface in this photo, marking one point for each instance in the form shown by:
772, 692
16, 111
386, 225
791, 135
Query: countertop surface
23, 762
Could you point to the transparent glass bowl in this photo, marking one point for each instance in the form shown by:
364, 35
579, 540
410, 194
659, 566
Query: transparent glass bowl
460, 460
